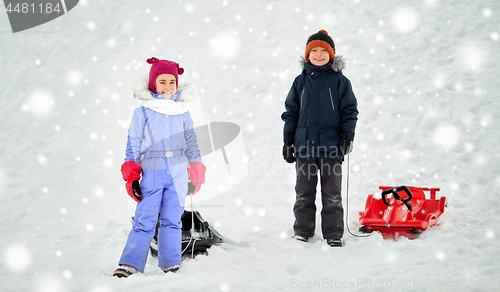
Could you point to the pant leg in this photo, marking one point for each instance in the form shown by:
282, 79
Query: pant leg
332, 213
172, 207
304, 208
136, 250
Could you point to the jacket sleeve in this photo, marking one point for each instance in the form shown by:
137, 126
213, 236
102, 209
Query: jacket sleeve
192, 151
135, 136
292, 107
348, 107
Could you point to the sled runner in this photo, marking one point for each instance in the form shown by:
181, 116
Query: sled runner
402, 211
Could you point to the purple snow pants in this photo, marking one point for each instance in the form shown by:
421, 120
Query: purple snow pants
164, 192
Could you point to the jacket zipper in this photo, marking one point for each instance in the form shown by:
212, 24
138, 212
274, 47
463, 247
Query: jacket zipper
331, 98
301, 97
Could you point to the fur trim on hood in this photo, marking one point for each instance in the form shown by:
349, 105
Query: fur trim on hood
141, 91
337, 66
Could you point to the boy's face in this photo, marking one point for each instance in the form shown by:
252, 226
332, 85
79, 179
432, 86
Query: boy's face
165, 84
319, 56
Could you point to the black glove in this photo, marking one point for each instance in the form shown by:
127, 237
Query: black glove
137, 190
191, 188
346, 143
288, 149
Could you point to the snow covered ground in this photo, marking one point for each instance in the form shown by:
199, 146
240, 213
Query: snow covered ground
426, 77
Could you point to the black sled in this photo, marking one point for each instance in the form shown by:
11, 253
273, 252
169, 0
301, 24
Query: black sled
204, 235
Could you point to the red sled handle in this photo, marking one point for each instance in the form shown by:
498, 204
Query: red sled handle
394, 192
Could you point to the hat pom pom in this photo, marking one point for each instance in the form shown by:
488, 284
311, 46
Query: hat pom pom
323, 31
180, 71
151, 60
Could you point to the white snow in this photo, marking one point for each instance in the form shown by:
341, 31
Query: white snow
426, 77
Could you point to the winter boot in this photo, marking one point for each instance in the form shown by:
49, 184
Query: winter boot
301, 238
172, 269
124, 271
335, 242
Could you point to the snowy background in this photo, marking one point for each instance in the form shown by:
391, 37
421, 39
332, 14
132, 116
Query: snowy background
426, 77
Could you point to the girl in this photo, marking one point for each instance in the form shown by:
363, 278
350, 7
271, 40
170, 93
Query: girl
163, 147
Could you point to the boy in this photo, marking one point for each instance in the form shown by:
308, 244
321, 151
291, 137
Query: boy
320, 119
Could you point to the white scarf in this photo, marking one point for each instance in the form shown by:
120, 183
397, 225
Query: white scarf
165, 106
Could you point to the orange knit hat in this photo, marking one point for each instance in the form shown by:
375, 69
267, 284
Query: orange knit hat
323, 40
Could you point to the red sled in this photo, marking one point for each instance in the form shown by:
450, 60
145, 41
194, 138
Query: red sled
406, 212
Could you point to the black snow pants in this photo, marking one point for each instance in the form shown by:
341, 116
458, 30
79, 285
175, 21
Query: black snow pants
332, 214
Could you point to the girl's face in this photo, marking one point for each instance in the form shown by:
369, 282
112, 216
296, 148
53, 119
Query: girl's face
166, 85
319, 56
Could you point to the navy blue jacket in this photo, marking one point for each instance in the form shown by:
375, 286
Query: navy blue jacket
319, 107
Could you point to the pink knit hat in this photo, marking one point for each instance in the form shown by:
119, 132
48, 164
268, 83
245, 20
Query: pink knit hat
162, 67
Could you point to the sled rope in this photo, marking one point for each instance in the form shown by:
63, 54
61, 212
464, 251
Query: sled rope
192, 231
347, 204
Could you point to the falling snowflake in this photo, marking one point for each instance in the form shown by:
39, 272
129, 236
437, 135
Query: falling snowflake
74, 77
225, 46
487, 12
67, 274
91, 25
189, 8
111, 43
225, 287
40, 103
17, 258
98, 192
494, 36
447, 136
42, 159
440, 256
470, 57
405, 20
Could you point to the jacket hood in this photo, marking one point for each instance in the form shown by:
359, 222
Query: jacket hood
141, 91
337, 66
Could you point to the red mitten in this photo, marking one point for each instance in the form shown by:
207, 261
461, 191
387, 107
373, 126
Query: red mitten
197, 175
131, 172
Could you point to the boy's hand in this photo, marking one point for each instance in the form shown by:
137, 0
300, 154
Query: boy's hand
288, 152
346, 143
288, 149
